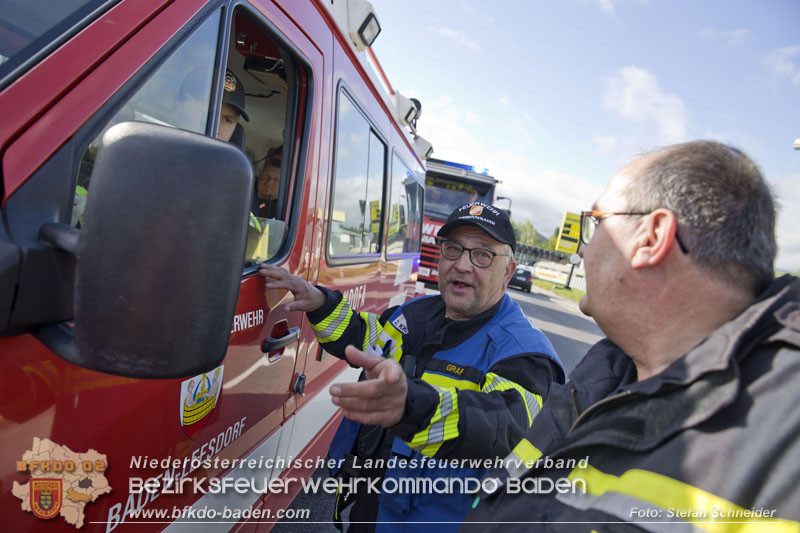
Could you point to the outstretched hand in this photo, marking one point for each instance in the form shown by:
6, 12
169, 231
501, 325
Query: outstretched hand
380, 399
306, 296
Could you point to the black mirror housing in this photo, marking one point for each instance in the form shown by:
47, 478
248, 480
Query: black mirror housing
160, 252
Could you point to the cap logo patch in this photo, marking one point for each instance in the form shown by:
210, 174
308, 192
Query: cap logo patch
476, 210
230, 82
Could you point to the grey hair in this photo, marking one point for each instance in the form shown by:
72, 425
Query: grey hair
725, 209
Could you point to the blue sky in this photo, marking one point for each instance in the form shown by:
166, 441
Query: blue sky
553, 96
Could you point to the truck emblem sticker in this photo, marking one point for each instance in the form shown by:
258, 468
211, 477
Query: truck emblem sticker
476, 210
199, 396
62, 482
400, 324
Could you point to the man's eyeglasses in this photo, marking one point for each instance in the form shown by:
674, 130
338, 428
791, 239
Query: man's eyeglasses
480, 257
590, 220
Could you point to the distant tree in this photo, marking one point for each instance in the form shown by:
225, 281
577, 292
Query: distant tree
526, 233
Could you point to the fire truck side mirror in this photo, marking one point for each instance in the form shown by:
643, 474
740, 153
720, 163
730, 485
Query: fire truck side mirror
159, 255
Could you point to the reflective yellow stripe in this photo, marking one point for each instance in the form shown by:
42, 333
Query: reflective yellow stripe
671, 494
371, 335
443, 426
449, 429
533, 402
332, 326
521, 458
254, 223
527, 452
444, 422
446, 382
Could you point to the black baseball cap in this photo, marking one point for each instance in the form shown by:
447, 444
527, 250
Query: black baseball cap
233, 93
487, 217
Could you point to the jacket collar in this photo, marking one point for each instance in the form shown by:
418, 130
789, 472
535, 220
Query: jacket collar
685, 394
735, 338
607, 363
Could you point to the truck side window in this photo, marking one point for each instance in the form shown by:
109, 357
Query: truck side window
405, 216
359, 171
177, 94
261, 87
273, 82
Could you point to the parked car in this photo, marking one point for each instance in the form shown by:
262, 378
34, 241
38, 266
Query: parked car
521, 279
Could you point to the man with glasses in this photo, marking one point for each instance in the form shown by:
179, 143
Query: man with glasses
685, 417
462, 377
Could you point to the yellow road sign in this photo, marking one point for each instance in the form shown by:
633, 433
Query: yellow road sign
570, 235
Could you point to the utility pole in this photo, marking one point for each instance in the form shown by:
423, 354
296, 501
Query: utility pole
575, 259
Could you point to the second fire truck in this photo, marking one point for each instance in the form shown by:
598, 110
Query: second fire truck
447, 186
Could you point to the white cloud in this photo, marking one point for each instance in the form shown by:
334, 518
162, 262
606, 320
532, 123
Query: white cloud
635, 94
605, 143
445, 126
736, 38
608, 6
459, 37
539, 195
476, 15
731, 38
504, 100
707, 34
782, 62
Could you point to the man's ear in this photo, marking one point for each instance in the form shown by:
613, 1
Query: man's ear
511, 267
655, 238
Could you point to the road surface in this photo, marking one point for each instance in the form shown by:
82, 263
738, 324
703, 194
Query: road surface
571, 332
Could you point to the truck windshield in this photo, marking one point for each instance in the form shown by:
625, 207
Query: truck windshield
29, 28
443, 196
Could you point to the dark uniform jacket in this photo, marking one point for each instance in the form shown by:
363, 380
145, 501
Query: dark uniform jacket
714, 438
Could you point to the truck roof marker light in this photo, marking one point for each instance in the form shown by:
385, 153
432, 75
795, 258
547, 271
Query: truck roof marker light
423, 148
369, 29
362, 24
406, 111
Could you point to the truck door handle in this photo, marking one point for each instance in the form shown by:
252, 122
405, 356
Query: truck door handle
273, 345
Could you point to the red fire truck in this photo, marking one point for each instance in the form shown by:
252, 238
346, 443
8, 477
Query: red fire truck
143, 364
448, 185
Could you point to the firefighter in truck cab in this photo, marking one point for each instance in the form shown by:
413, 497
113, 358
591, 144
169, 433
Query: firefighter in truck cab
449, 377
